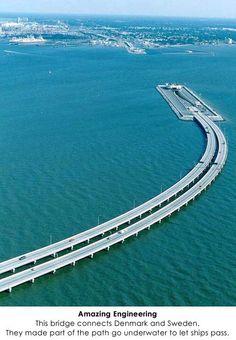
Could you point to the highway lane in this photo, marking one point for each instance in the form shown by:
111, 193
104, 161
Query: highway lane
183, 183
90, 250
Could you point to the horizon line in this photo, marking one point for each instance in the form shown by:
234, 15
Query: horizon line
117, 15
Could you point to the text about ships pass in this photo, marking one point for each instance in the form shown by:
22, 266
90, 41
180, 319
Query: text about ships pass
110, 323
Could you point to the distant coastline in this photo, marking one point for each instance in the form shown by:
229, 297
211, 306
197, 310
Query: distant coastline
135, 34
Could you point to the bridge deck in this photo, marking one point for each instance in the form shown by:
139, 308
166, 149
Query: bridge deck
202, 175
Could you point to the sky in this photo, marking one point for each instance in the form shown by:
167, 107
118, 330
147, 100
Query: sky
184, 8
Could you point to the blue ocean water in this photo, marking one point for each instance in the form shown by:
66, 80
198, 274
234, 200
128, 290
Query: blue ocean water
84, 134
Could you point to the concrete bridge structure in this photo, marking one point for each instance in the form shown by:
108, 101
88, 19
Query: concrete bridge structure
130, 223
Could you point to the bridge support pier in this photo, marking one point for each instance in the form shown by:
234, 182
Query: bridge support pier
54, 271
186, 204
129, 222
10, 290
32, 280
159, 222
122, 241
13, 270
73, 263
108, 248
117, 228
91, 256
149, 227
35, 261
88, 240
136, 234
72, 247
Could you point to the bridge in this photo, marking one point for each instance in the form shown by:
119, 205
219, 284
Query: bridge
130, 223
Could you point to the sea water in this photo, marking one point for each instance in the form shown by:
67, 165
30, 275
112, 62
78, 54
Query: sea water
84, 137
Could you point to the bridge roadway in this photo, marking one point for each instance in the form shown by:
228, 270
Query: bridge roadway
70, 259
115, 223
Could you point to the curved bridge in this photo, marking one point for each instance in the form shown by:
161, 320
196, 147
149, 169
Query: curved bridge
126, 225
